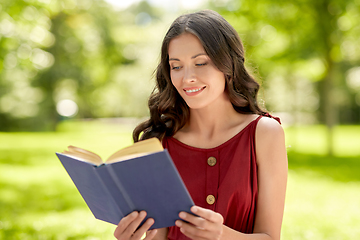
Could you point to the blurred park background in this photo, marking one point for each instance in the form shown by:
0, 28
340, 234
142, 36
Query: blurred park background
79, 72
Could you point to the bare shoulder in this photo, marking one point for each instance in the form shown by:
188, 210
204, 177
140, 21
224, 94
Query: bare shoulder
269, 127
270, 141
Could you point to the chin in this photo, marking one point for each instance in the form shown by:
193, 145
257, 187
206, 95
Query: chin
196, 106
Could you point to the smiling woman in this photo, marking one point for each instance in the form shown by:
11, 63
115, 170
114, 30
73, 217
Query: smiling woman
198, 81
229, 152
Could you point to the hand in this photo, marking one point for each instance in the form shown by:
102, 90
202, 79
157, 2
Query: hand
126, 229
206, 225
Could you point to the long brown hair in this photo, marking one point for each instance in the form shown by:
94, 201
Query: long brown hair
168, 111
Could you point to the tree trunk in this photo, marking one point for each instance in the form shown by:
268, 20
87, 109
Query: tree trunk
329, 109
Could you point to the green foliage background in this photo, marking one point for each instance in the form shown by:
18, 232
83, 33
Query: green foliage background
84, 51
305, 53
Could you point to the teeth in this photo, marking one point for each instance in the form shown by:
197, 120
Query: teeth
193, 90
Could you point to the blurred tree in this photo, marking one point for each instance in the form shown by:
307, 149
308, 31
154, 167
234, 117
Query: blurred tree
303, 49
86, 52
63, 49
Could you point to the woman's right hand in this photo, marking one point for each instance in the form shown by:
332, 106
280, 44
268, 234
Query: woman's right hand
127, 228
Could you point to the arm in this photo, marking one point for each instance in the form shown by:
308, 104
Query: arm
272, 165
272, 177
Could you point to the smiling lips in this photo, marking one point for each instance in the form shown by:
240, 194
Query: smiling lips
193, 91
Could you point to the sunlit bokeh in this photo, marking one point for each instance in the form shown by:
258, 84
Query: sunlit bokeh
67, 108
79, 72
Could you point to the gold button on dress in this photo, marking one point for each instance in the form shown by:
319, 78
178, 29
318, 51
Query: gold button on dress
211, 161
210, 199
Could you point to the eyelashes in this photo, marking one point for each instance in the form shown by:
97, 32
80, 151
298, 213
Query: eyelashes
200, 64
197, 65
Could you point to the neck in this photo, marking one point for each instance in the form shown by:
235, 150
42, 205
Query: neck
213, 125
213, 120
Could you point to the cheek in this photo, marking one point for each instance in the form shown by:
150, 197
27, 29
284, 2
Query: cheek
219, 81
175, 79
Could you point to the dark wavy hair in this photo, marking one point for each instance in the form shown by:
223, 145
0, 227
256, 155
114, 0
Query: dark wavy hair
168, 111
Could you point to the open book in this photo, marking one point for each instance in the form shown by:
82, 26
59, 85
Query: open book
139, 177
138, 149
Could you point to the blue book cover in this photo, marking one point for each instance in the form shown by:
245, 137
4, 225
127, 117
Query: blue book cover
150, 182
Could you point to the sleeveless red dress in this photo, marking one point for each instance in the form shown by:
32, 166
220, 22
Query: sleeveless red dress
223, 179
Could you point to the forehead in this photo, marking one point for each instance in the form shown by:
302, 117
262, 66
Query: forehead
184, 45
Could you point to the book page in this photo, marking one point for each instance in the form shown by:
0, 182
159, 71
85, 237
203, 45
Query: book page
83, 155
138, 149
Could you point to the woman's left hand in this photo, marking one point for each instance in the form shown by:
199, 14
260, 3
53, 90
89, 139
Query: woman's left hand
207, 224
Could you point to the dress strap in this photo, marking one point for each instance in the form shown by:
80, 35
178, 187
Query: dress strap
270, 116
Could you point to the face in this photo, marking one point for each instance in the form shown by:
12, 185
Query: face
199, 82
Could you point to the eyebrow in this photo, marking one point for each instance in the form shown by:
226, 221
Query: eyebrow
195, 56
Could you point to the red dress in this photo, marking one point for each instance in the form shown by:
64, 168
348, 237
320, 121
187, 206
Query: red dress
223, 179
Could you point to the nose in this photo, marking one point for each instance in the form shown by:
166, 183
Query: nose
189, 75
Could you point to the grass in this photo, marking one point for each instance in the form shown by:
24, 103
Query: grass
323, 192
37, 198
39, 201
319, 207
313, 139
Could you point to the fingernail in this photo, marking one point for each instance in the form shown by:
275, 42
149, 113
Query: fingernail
182, 215
142, 214
194, 209
178, 223
150, 221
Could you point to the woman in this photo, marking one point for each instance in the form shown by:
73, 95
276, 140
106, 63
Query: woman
230, 153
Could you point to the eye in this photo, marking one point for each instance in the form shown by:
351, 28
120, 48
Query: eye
175, 68
200, 64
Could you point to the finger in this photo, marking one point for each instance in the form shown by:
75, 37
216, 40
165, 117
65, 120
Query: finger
128, 225
207, 214
131, 229
195, 220
193, 232
150, 234
124, 223
143, 229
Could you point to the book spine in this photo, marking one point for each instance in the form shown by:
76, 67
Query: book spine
116, 189
121, 187
106, 189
